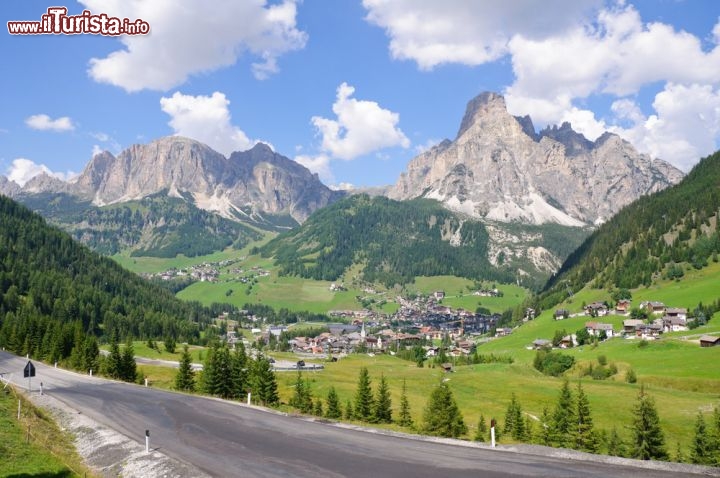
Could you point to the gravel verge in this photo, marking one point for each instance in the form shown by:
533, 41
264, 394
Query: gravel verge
109, 453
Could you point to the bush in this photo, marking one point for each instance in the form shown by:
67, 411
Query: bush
553, 363
630, 376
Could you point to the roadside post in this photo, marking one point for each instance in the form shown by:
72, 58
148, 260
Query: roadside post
492, 433
147, 441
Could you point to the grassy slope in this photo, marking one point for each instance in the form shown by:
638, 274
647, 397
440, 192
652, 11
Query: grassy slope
19, 458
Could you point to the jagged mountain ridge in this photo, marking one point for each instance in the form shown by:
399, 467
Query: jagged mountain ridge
499, 169
247, 185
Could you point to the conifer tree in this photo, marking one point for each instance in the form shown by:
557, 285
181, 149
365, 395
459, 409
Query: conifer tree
185, 376
382, 405
405, 419
529, 435
482, 430
318, 408
363, 397
207, 384
302, 395
349, 412
264, 384
112, 363
582, 433
648, 439
514, 422
333, 405
128, 368
442, 416
239, 372
563, 417
702, 451
545, 434
615, 445
222, 384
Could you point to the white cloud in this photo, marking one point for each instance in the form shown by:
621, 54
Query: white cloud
109, 141
432, 33
685, 128
96, 150
361, 127
188, 37
205, 119
23, 170
43, 122
319, 164
427, 145
564, 53
342, 187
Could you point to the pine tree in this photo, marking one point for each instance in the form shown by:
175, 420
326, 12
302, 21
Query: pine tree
207, 384
442, 416
679, 455
382, 409
701, 452
545, 435
514, 422
349, 412
648, 439
582, 433
112, 363
128, 368
405, 419
185, 376
563, 418
529, 430
363, 397
264, 382
222, 384
615, 445
318, 408
333, 405
715, 433
482, 430
238, 372
302, 395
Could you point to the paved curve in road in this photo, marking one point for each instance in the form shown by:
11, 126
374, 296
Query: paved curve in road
229, 439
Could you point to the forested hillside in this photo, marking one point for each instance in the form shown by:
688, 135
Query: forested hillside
55, 293
157, 226
394, 241
656, 236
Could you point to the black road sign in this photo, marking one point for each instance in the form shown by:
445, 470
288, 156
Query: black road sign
29, 370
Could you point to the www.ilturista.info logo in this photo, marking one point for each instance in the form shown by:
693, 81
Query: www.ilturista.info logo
57, 22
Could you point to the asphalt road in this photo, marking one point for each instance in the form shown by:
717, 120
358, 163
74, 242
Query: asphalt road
229, 439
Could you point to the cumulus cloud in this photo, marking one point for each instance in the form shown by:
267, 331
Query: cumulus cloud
361, 127
565, 55
685, 127
191, 36
205, 119
23, 170
319, 164
432, 33
43, 122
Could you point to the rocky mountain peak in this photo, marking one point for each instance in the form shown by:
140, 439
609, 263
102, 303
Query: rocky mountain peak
481, 107
575, 143
498, 169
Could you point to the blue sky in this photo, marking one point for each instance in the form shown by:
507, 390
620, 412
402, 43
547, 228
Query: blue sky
355, 89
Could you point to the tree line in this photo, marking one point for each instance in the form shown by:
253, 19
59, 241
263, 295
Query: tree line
396, 241
656, 236
58, 299
569, 424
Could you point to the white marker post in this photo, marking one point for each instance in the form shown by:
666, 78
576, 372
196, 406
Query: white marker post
147, 441
249, 395
18, 409
146, 381
492, 433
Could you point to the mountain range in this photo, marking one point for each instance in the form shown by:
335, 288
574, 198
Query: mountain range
499, 169
522, 185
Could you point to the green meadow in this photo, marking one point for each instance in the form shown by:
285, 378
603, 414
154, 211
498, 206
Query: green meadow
44, 451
